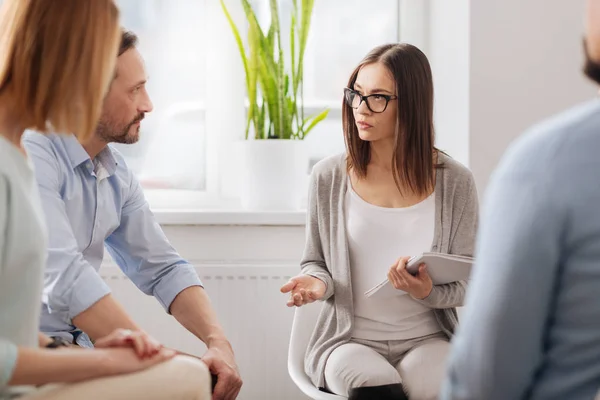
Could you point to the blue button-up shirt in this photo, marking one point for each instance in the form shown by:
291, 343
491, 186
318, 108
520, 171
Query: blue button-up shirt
90, 205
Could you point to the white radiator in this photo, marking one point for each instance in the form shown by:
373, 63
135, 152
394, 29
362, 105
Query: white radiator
250, 308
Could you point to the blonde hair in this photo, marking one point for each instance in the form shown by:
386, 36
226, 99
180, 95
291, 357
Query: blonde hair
57, 59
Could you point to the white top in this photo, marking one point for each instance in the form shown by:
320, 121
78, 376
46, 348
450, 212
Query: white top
377, 237
22, 257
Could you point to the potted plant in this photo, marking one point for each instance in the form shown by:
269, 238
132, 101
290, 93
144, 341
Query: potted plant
275, 161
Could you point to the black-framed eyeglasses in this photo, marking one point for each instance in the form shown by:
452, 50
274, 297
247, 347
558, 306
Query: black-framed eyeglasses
377, 103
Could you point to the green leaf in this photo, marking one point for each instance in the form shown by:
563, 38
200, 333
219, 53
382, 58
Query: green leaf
252, 76
293, 45
240, 45
293, 32
315, 120
236, 34
294, 110
286, 85
268, 87
260, 131
266, 66
291, 109
281, 110
281, 123
271, 39
305, 19
307, 10
252, 20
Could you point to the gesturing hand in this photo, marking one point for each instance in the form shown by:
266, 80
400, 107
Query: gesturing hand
304, 289
418, 286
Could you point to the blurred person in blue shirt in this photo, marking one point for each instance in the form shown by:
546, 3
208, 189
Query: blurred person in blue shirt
531, 326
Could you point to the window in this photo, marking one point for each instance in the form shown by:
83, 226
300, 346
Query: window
180, 148
172, 150
342, 32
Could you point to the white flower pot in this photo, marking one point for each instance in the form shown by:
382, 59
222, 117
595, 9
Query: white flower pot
274, 174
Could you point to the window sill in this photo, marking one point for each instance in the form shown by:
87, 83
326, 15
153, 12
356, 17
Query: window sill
186, 207
229, 217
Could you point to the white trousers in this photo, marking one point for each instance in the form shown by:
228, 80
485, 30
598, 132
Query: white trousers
181, 378
419, 364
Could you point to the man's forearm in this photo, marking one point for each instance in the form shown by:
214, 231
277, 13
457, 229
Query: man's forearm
103, 318
193, 310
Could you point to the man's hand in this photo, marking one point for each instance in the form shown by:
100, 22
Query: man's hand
221, 362
193, 310
145, 346
419, 286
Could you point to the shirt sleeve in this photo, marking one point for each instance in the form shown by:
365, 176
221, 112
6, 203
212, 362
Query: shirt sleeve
8, 361
313, 260
143, 252
71, 284
462, 243
499, 344
4, 212
8, 351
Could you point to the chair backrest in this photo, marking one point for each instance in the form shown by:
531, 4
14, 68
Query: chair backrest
305, 319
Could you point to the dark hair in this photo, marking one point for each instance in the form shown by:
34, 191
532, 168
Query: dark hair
413, 165
591, 68
128, 40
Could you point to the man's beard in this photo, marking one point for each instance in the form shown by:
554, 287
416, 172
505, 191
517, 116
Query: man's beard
110, 133
591, 68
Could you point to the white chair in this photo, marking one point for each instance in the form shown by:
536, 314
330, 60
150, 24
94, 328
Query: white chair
305, 319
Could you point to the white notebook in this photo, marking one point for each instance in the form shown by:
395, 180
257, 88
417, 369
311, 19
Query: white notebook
442, 268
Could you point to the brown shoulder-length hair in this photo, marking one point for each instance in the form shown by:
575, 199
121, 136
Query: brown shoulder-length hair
57, 58
414, 162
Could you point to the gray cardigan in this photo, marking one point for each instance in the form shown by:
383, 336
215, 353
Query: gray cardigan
326, 252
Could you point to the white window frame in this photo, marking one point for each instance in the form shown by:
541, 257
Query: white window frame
227, 86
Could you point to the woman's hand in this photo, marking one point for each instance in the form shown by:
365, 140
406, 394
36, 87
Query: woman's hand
304, 289
43, 340
418, 286
144, 345
117, 361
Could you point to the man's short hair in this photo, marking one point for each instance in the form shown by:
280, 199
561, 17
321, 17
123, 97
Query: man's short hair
128, 41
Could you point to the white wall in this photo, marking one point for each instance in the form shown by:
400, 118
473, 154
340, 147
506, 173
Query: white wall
499, 67
448, 52
526, 59
242, 268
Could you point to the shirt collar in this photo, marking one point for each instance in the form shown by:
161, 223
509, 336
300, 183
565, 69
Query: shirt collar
75, 151
107, 158
78, 155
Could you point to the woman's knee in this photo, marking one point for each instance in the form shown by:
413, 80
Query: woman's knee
352, 367
189, 378
423, 369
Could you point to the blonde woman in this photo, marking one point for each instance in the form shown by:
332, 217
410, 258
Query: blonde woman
57, 58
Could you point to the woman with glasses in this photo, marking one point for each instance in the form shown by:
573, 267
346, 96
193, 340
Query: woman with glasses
390, 196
